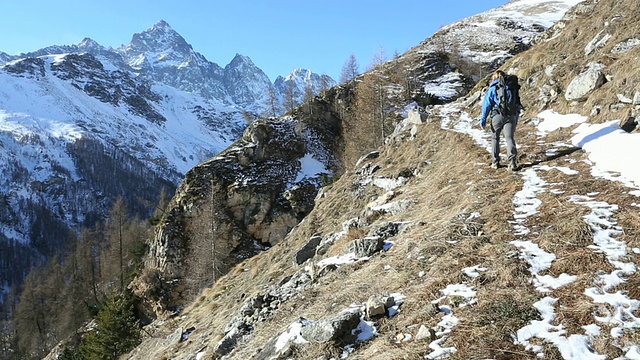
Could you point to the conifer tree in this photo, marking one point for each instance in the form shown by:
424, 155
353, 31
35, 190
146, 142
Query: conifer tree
289, 97
308, 97
349, 69
117, 330
272, 104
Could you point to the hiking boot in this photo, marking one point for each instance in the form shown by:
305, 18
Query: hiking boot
495, 165
513, 165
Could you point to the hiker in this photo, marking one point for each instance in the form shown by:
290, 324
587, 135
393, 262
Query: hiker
502, 104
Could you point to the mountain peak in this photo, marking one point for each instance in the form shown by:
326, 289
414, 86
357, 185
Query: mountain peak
300, 73
88, 43
239, 58
241, 62
161, 37
161, 26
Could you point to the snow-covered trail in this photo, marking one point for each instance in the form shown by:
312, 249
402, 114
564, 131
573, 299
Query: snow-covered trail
618, 313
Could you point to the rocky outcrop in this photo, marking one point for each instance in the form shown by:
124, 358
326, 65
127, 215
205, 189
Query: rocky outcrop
29, 67
238, 203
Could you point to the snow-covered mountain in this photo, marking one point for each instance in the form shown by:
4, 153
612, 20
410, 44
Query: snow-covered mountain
162, 55
294, 85
82, 124
74, 135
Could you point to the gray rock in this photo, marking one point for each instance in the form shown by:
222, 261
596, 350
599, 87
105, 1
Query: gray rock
174, 338
625, 46
377, 305
338, 328
416, 117
365, 247
636, 98
323, 248
308, 250
229, 342
370, 156
385, 230
424, 333
586, 83
271, 352
596, 43
629, 123
623, 99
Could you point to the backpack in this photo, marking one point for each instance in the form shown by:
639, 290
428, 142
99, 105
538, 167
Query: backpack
508, 92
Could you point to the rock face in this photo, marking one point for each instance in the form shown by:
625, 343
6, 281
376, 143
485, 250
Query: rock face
243, 200
161, 54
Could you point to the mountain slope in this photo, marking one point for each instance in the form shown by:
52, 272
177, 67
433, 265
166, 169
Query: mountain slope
477, 45
423, 251
292, 88
76, 135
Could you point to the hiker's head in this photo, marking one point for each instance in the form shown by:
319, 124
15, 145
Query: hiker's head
497, 74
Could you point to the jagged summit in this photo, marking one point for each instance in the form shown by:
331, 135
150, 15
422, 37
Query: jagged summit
89, 43
299, 73
160, 44
240, 60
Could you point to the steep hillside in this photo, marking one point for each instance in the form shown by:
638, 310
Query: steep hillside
330, 116
423, 251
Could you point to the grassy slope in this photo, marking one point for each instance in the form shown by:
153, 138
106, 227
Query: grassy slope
452, 181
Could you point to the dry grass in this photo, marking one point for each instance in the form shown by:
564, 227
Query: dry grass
449, 185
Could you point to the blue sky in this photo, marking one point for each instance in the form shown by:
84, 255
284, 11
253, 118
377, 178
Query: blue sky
278, 35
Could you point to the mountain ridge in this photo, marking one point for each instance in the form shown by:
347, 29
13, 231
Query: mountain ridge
161, 54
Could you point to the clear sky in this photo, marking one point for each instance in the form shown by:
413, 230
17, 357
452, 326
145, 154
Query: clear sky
278, 35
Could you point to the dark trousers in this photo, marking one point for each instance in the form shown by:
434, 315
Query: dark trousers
507, 124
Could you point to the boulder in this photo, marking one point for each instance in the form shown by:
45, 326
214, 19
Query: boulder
308, 250
629, 123
586, 83
424, 333
377, 305
365, 247
415, 116
337, 328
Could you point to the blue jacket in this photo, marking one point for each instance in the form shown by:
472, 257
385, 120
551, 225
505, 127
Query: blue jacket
490, 100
